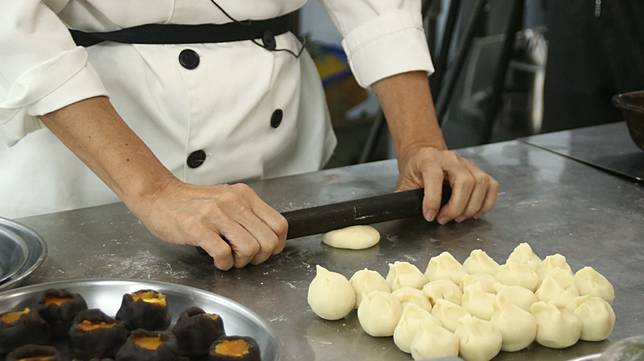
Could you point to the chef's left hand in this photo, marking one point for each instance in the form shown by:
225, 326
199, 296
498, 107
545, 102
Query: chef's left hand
473, 191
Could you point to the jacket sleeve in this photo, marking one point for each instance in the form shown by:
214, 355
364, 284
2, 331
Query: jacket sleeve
41, 70
381, 37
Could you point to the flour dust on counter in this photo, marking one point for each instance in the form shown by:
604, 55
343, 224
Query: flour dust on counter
478, 308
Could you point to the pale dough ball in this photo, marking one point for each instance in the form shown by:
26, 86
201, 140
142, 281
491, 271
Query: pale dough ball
517, 326
552, 292
516, 295
479, 339
518, 275
407, 328
443, 290
365, 281
556, 327
444, 267
413, 295
592, 283
478, 302
525, 256
485, 280
354, 237
405, 274
564, 278
551, 262
597, 318
449, 313
480, 262
330, 295
379, 313
433, 341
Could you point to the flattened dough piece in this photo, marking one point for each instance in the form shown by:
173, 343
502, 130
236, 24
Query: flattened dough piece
354, 237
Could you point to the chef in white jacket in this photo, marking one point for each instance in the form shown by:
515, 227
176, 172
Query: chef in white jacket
164, 123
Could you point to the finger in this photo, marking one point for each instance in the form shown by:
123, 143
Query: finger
490, 198
218, 249
462, 183
481, 185
244, 246
266, 238
433, 183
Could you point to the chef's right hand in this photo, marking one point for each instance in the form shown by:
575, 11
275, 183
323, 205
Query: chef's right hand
230, 222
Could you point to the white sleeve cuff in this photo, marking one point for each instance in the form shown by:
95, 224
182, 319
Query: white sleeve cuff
391, 44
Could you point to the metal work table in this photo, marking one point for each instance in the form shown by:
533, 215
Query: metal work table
556, 204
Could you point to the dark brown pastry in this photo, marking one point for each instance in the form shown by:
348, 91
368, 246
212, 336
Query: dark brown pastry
234, 348
145, 309
143, 345
34, 353
95, 334
196, 330
59, 307
22, 327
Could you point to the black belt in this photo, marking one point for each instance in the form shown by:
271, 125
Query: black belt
193, 34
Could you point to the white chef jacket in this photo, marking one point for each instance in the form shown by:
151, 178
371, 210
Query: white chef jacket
228, 109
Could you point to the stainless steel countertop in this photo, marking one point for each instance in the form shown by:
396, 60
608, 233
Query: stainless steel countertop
556, 204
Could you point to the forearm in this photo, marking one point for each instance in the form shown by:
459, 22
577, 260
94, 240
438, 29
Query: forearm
407, 103
94, 131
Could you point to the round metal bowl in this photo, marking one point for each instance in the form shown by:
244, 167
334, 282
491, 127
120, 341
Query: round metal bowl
107, 295
632, 107
13, 254
26, 241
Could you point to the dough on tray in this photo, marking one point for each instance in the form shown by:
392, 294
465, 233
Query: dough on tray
407, 328
516, 295
478, 302
552, 262
445, 267
330, 295
514, 274
592, 283
597, 318
552, 292
517, 326
379, 313
365, 281
449, 313
556, 327
486, 281
405, 274
480, 262
479, 340
524, 255
433, 341
413, 295
443, 290
354, 237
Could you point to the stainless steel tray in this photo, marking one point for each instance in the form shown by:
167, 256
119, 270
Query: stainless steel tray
22, 240
107, 295
592, 357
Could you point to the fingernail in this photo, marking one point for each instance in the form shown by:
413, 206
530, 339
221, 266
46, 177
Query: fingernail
460, 219
443, 220
430, 215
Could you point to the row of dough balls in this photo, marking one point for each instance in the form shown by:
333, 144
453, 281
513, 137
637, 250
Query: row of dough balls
474, 309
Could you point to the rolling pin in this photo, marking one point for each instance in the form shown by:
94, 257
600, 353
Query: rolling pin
407, 204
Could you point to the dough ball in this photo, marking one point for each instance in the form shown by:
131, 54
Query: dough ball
479, 340
516, 295
556, 327
552, 292
552, 262
443, 290
407, 328
379, 313
564, 278
330, 295
525, 256
485, 280
478, 302
365, 281
354, 237
413, 295
405, 274
518, 275
433, 341
480, 262
592, 283
597, 318
444, 267
517, 326
449, 313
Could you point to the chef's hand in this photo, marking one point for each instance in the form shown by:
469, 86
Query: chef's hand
230, 222
473, 191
